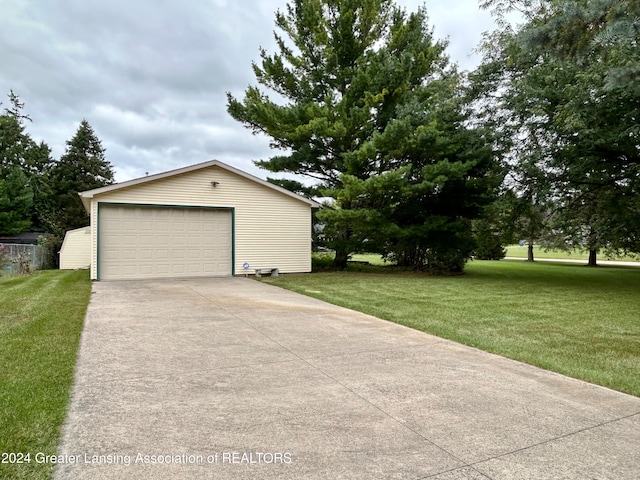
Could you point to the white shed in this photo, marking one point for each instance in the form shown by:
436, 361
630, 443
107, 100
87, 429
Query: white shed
208, 219
76, 249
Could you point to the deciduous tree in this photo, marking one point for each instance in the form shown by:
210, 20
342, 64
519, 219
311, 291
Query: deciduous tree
564, 82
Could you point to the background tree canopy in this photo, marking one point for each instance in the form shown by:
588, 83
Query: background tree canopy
38, 193
563, 90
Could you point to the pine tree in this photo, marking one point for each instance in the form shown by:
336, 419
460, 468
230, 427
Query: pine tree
16, 201
18, 151
363, 94
82, 167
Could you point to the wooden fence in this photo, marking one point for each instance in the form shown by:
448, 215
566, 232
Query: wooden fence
34, 255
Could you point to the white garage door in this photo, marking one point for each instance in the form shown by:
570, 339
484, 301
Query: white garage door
145, 242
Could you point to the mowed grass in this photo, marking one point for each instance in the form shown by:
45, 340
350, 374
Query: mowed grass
579, 321
517, 251
41, 319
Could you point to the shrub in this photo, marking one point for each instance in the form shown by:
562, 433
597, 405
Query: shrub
51, 244
321, 261
450, 261
488, 242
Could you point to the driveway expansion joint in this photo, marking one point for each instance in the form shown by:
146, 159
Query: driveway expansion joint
554, 439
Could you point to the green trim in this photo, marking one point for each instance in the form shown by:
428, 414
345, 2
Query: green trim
233, 242
158, 205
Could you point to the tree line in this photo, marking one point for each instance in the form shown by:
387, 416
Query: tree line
418, 161
428, 165
39, 193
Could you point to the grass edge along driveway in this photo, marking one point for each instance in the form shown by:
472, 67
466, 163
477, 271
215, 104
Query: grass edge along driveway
41, 320
575, 320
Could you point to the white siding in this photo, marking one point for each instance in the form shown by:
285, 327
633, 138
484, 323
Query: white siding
271, 229
76, 249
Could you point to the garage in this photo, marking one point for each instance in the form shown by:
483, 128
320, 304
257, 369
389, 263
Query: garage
152, 242
76, 249
203, 220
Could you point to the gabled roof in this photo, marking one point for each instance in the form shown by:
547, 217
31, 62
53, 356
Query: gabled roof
86, 196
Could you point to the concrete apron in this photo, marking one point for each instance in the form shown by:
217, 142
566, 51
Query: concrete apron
234, 379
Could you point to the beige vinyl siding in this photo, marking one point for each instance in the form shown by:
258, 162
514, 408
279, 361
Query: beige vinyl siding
272, 229
76, 249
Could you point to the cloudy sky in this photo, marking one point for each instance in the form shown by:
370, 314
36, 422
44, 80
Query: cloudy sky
150, 76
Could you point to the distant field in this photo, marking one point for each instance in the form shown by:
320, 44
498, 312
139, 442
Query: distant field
579, 321
517, 251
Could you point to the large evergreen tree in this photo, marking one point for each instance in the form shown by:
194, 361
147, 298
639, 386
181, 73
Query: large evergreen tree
82, 167
24, 166
362, 95
16, 201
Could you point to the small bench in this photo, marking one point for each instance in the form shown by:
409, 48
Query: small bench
273, 271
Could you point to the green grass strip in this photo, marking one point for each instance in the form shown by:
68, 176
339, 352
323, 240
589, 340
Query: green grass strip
41, 319
516, 251
580, 321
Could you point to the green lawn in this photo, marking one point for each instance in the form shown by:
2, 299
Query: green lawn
41, 318
580, 321
372, 258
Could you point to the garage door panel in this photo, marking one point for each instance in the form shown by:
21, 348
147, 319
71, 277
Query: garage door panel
179, 269
109, 271
130, 255
128, 269
141, 242
162, 227
178, 240
146, 236
194, 268
147, 254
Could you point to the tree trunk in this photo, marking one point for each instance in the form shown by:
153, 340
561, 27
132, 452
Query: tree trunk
593, 257
340, 260
530, 252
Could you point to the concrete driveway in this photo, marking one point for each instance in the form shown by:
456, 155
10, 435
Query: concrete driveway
234, 379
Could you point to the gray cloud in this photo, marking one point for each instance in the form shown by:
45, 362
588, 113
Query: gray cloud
151, 76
